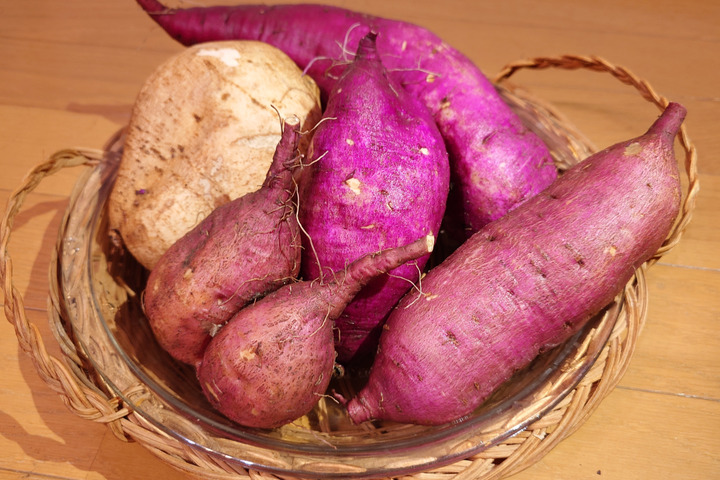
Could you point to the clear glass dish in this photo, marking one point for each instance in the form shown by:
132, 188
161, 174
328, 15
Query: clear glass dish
102, 285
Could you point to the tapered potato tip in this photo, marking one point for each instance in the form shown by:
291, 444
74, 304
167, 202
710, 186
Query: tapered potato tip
669, 122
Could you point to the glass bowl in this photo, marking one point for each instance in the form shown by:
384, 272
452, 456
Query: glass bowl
102, 284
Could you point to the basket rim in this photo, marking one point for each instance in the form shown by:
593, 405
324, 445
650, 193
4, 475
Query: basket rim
138, 389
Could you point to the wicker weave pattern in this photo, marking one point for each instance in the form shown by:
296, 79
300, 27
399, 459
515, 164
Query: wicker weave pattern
599, 64
84, 395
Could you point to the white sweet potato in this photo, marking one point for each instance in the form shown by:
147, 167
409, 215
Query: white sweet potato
203, 131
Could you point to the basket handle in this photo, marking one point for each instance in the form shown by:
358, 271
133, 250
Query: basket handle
79, 398
599, 64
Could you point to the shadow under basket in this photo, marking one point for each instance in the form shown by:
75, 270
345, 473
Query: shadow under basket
112, 370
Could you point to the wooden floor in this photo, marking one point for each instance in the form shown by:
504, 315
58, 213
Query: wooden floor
69, 72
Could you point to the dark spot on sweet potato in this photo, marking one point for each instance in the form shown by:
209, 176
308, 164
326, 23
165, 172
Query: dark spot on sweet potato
158, 154
577, 256
538, 270
197, 117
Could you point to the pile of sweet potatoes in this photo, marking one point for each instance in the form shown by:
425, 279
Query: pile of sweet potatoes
326, 263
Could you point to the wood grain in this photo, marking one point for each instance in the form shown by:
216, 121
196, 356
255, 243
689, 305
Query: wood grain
69, 76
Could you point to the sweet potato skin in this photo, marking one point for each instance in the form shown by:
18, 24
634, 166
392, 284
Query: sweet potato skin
244, 249
377, 178
271, 362
497, 163
525, 282
274, 359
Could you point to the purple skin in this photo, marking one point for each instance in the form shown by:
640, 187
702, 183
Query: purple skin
244, 249
271, 363
525, 283
378, 177
496, 162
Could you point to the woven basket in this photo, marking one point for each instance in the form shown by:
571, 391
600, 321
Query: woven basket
604, 350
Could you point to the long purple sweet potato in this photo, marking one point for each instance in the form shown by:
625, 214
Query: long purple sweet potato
377, 178
496, 162
243, 249
525, 282
274, 359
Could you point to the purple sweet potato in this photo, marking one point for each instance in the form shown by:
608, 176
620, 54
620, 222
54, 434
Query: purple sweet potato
496, 162
274, 359
377, 178
525, 283
243, 249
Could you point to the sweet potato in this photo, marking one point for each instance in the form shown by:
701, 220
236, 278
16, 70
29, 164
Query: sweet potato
377, 178
203, 131
274, 359
496, 162
242, 250
525, 282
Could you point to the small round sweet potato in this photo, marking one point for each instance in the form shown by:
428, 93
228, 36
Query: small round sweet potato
272, 361
203, 131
